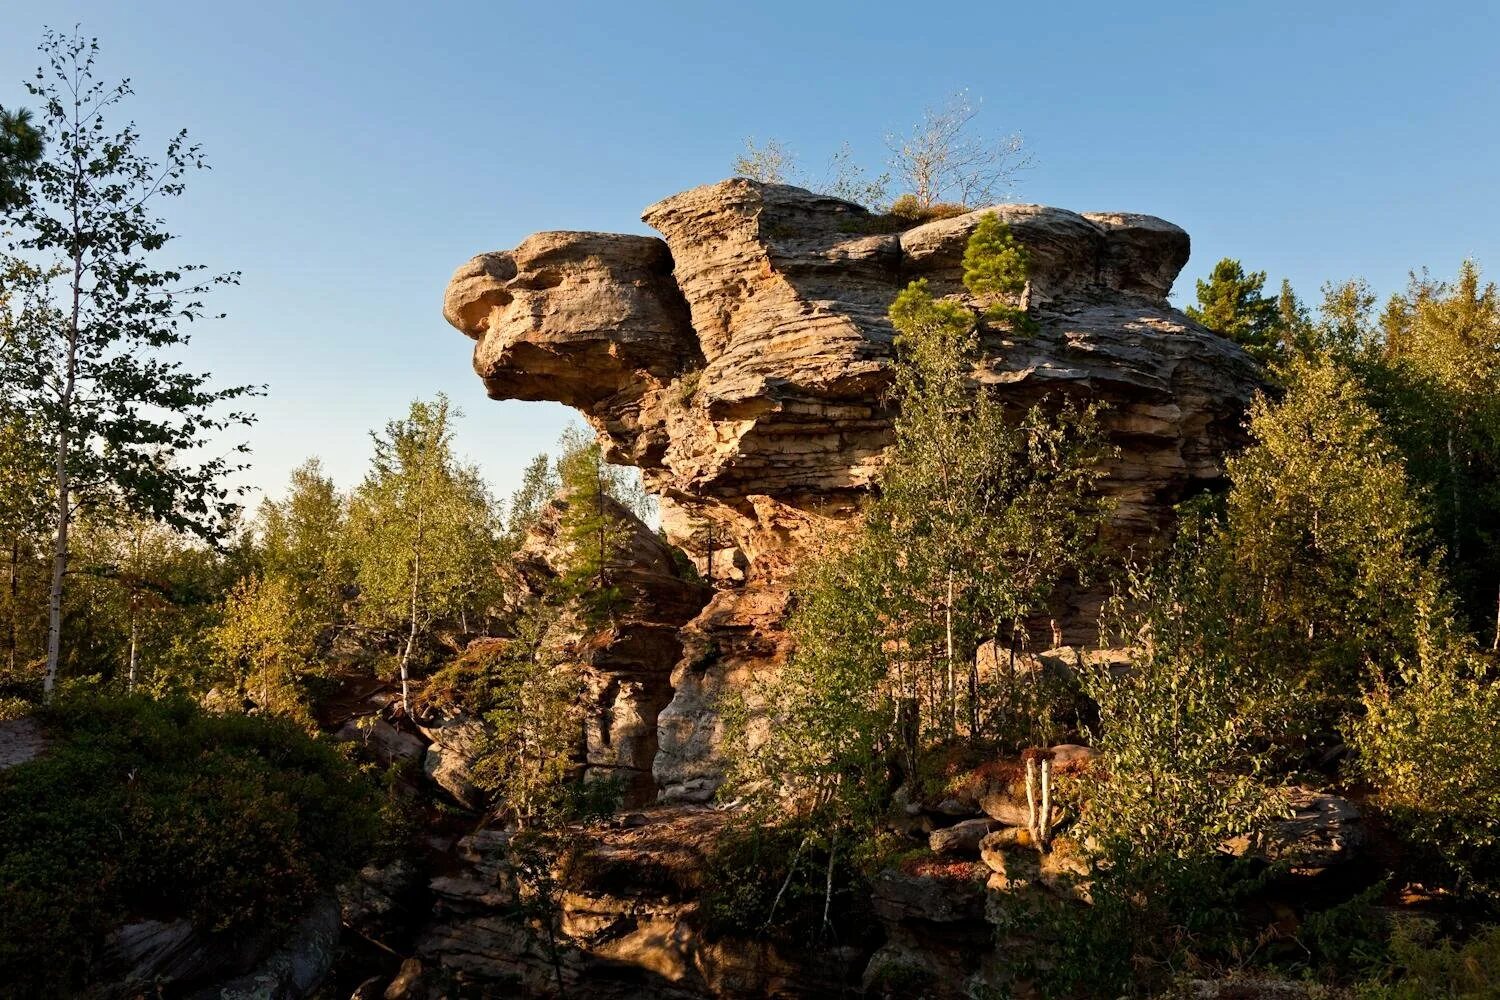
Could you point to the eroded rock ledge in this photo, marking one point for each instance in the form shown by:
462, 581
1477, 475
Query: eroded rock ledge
742, 363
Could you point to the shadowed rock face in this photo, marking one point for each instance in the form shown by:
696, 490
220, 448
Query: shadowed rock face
625, 662
742, 363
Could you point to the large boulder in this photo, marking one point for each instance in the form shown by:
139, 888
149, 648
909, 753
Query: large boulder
456, 741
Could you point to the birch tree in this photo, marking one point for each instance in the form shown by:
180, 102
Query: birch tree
89, 354
945, 158
424, 533
979, 515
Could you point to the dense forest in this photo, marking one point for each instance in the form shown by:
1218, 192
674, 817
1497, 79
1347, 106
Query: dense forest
1327, 621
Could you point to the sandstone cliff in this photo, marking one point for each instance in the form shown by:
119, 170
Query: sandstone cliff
742, 363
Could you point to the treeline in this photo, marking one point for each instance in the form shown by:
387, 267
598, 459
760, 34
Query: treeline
390, 578
129, 562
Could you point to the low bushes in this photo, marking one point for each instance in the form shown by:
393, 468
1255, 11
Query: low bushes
145, 809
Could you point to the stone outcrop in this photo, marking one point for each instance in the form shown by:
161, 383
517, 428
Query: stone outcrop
627, 660
742, 362
624, 906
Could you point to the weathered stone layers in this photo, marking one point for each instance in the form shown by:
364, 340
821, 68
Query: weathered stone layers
742, 363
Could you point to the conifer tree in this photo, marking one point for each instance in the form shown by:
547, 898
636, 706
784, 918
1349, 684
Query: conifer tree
21, 146
1231, 302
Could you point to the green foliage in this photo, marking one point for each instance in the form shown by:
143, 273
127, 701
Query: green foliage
423, 533
1436, 380
539, 484
978, 517
1351, 937
1184, 729
101, 379
793, 882
267, 644
911, 212
94, 318
1425, 967
21, 146
995, 269
1152, 914
304, 541
1183, 733
1323, 536
593, 528
531, 703
156, 809
1231, 302
1429, 745
141, 604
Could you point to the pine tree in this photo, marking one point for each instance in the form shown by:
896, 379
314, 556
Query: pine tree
1231, 302
21, 146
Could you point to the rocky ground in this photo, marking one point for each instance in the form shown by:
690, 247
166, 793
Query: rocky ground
20, 741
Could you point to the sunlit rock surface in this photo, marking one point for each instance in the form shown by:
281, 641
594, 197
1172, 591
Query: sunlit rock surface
742, 362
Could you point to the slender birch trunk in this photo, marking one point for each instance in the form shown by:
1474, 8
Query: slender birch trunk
15, 594
411, 635
948, 635
60, 470
130, 676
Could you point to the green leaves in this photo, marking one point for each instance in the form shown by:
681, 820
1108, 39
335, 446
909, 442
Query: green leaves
995, 269
91, 309
422, 529
21, 146
978, 514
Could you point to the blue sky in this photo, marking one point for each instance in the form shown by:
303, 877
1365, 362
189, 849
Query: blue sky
361, 151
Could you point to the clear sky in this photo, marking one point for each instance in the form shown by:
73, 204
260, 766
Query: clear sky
362, 151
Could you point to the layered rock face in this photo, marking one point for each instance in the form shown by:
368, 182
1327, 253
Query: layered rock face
742, 363
626, 662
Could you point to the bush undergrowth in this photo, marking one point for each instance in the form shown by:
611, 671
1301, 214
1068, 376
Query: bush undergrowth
144, 809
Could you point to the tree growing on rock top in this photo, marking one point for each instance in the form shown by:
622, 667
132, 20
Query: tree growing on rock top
942, 159
942, 162
94, 317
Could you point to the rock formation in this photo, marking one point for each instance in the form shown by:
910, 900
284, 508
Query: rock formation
626, 662
742, 361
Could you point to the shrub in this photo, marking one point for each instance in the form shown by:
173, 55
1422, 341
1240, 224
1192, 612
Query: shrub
144, 809
1431, 749
909, 208
15, 707
779, 881
1424, 967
